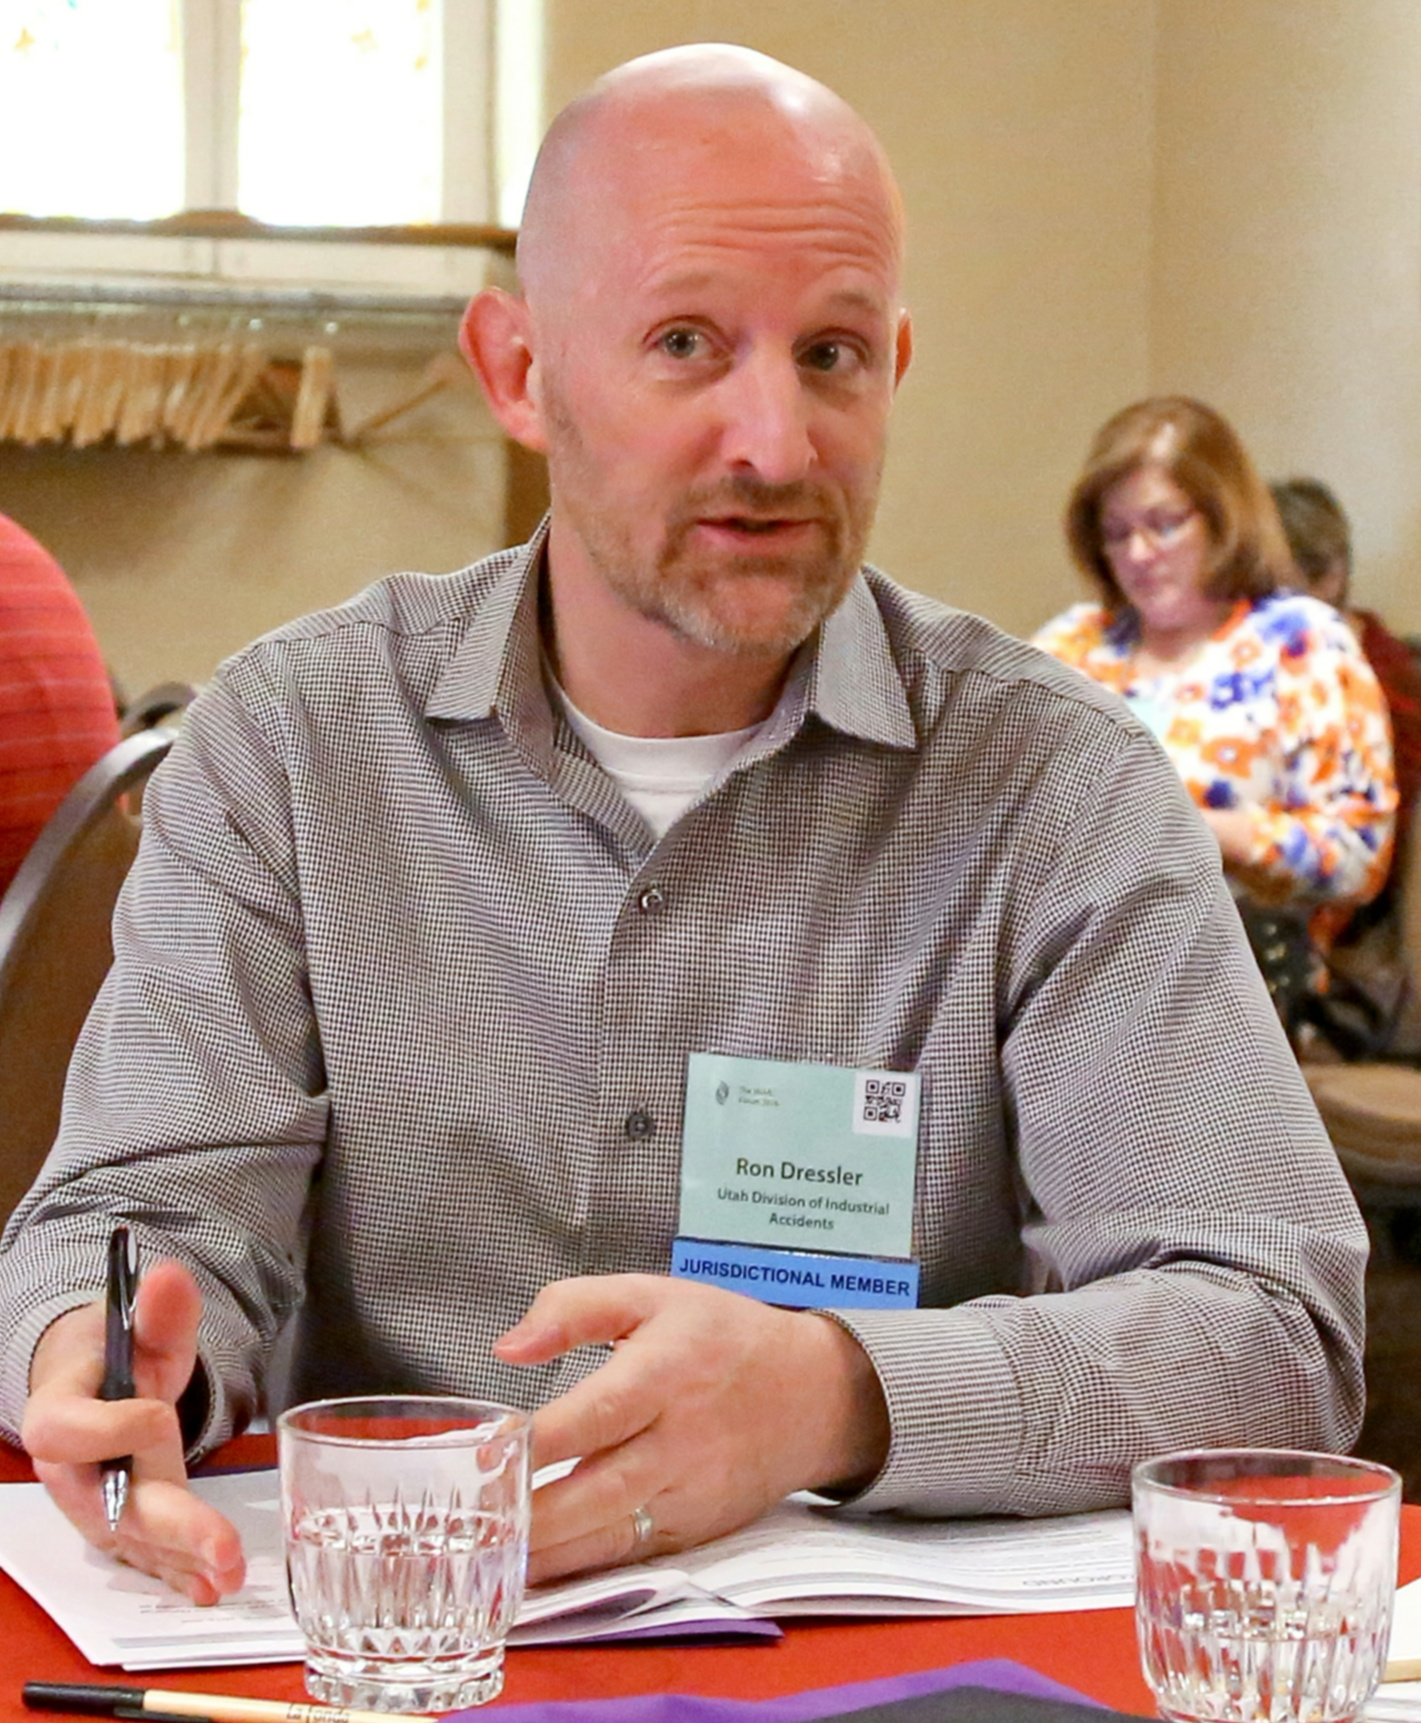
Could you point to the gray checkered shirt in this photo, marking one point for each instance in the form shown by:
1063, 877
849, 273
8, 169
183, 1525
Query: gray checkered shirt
403, 983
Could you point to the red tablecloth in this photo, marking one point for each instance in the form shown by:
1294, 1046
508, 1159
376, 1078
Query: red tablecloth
1092, 1651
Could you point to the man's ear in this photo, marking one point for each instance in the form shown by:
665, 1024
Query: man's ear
903, 357
496, 338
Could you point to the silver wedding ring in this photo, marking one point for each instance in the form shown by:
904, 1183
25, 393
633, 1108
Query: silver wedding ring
642, 1527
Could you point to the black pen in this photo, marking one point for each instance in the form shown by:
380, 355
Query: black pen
118, 1359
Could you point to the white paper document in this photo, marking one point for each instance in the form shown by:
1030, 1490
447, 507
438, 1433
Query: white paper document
798, 1561
1400, 1701
795, 1561
116, 1615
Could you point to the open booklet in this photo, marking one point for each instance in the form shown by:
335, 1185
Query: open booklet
797, 1560
1400, 1701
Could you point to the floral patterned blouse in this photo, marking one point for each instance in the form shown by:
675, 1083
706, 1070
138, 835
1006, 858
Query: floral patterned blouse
1278, 713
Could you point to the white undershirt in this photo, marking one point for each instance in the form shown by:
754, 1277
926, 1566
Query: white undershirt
659, 775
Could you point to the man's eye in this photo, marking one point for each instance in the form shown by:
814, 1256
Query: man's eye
681, 343
825, 356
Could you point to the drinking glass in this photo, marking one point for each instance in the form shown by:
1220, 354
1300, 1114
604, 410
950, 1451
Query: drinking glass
1264, 1583
406, 1530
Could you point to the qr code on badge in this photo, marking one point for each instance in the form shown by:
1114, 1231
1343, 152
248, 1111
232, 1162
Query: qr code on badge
882, 1101
885, 1105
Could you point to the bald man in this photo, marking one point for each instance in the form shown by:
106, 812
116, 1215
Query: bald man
526, 966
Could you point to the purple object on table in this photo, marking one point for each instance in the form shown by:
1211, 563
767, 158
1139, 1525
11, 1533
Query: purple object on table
995, 1672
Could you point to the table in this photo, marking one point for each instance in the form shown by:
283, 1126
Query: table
1092, 1651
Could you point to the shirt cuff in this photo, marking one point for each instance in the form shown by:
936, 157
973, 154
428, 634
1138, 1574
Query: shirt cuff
954, 1407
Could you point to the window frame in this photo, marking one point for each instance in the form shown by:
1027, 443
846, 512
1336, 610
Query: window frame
491, 52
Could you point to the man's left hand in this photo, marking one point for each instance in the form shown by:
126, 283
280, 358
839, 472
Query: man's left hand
711, 1408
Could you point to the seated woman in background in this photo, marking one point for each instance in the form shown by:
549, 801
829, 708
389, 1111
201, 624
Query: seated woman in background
1260, 696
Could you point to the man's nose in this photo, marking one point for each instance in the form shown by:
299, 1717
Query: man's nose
767, 420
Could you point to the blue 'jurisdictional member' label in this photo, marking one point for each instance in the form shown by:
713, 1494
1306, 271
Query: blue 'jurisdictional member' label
798, 1278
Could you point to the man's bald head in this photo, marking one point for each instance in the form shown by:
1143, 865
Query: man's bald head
671, 115
706, 347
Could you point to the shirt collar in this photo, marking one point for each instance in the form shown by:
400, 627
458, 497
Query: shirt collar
496, 665
845, 675
855, 683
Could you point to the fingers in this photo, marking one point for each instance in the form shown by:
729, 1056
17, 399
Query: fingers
596, 1494
591, 1311
620, 1398
165, 1531
64, 1426
606, 1409
64, 1421
166, 1314
608, 1544
709, 1409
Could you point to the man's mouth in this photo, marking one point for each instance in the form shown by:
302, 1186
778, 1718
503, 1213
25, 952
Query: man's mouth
758, 526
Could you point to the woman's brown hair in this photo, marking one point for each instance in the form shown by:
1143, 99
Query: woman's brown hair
1201, 452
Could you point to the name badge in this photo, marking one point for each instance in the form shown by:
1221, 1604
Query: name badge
797, 1181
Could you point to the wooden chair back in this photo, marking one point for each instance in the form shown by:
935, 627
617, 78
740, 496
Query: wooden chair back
56, 948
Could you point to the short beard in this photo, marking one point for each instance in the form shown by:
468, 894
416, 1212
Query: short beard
696, 599
690, 597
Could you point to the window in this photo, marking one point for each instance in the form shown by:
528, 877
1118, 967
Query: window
362, 141
91, 108
294, 112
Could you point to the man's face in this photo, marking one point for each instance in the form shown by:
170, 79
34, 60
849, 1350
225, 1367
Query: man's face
714, 390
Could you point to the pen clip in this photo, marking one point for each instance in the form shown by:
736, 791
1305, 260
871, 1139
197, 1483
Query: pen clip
118, 1317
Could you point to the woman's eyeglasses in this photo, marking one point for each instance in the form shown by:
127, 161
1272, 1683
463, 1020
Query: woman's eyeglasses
1159, 530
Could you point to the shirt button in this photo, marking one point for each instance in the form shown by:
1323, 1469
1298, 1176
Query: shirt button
640, 1125
652, 900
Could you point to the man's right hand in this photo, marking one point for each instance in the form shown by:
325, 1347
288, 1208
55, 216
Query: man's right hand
68, 1432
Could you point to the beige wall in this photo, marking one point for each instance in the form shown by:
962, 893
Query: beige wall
1021, 132
1287, 270
180, 559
